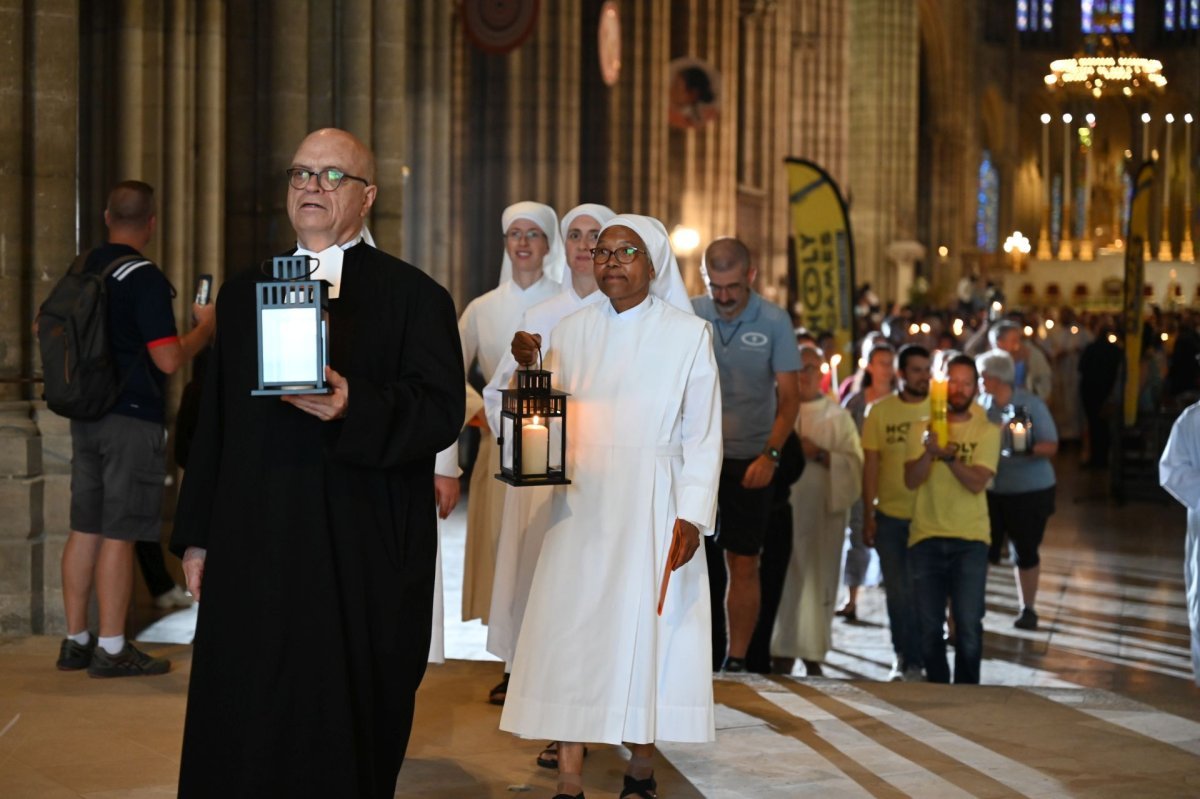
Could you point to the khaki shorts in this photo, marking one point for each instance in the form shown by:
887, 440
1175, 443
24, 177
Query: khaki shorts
118, 469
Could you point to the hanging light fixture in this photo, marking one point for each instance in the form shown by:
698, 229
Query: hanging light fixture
1108, 64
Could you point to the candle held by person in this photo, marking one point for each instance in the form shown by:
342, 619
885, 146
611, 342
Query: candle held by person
535, 440
938, 424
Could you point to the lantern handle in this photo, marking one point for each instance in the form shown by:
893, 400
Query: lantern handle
539, 361
265, 267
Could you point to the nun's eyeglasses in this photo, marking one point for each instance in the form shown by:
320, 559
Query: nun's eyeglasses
328, 178
622, 255
528, 235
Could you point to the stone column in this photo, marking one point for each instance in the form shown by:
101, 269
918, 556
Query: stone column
883, 133
23, 545
15, 359
391, 123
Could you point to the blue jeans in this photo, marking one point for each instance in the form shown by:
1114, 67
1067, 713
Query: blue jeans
891, 542
953, 569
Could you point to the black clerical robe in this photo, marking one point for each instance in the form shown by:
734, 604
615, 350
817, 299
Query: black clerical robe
317, 596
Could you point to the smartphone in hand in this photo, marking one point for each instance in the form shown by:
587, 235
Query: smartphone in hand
203, 289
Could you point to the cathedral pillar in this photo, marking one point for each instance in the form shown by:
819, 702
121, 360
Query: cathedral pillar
884, 108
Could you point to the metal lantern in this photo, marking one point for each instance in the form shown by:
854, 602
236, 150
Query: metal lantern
292, 330
533, 431
1017, 430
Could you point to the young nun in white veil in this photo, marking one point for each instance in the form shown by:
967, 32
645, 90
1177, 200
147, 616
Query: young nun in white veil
523, 523
599, 658
530, 272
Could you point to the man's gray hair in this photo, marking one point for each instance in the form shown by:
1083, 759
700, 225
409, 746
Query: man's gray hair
998, 364
1000, 329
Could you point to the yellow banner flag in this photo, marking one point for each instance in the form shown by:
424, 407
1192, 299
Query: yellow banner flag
1135, 279
822, 250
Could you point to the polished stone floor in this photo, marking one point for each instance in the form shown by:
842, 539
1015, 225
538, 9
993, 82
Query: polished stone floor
1099, 702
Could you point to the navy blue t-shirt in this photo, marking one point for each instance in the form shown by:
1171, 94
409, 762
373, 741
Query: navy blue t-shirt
140, 317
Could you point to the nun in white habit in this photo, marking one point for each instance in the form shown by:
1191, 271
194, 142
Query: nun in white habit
594, 660
523, 523
533, 262
1179, 474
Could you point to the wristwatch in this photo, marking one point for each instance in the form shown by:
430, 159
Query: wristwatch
771, 453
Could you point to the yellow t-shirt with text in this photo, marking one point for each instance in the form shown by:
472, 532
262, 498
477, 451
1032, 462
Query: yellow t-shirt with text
944, 507
888, 426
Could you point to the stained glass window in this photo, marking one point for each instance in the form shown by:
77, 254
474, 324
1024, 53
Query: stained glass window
987, 213
1120, 10
1181, 15
1035, 15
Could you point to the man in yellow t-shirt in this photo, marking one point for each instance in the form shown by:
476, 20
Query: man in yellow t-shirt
949, 536
890, 424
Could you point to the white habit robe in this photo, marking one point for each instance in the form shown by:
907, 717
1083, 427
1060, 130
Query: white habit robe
821, 502
526, 510
1179, 473
594, 661
486, 328
446, 465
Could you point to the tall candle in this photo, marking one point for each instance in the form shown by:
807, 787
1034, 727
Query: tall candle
939, 425
1019, 435
535, 440
1067, 198
833, 375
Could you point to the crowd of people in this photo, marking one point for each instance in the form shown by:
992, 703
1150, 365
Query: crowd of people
718, 472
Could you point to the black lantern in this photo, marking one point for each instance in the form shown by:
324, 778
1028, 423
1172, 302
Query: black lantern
1017, 432
533, 431
292, 335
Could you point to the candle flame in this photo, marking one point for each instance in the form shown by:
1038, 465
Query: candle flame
536, 420
835, 360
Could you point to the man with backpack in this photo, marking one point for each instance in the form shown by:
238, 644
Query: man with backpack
118, 441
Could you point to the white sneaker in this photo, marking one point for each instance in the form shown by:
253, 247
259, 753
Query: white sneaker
175, 598
896, 674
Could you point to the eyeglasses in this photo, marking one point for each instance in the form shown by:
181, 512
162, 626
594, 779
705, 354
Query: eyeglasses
623, 255
528, 235
329, 178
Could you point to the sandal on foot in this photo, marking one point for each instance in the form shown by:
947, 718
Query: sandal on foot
641, 789
498, 694
548, 757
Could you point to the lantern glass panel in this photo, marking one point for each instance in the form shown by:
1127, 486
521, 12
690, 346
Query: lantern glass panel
288, 338
506, 434
556, 443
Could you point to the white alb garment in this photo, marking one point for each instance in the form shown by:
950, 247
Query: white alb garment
1179, 474
525, 517
594, 661
821, 501
486, 328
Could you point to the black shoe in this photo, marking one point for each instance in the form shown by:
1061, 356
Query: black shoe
1028, 620
129, 662
812, 668
642, 789
497, 695
568, 796
734, 666
73, 656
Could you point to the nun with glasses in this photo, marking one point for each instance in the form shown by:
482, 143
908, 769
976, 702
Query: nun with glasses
603, 654
530, 273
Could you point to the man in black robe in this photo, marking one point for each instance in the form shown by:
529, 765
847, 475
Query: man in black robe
308, 525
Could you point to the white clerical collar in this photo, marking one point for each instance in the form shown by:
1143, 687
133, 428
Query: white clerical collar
329, 263
632, 313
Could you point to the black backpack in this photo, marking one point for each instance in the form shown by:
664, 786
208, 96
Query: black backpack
80, 373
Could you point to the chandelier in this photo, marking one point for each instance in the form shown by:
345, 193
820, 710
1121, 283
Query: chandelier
1108, 66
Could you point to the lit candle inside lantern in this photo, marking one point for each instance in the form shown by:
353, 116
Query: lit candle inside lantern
535, 439
1019, 435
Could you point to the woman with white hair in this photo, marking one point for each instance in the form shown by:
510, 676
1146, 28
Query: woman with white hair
529, 274
604, 653
1021, 498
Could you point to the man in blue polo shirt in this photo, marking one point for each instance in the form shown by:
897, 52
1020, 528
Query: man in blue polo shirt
118, 462
758, 364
